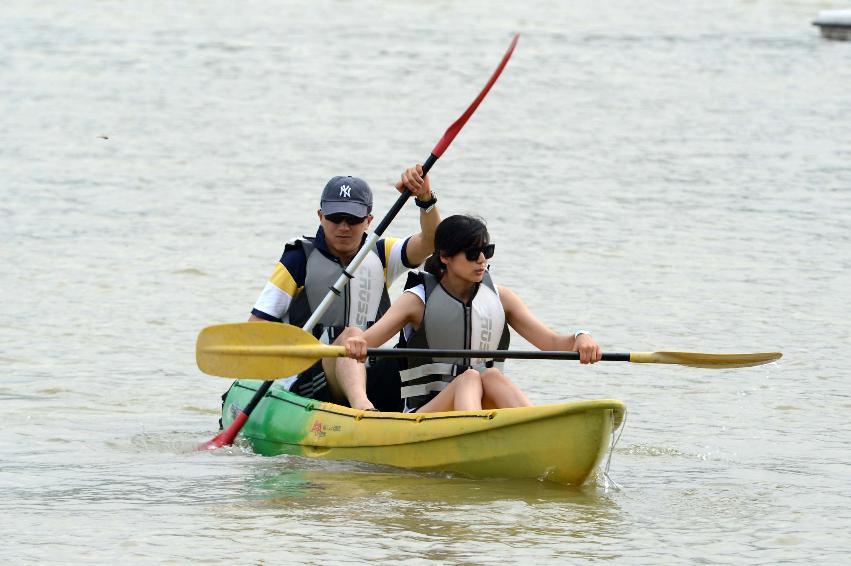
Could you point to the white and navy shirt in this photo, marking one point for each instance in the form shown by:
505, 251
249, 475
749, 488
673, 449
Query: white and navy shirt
288, 279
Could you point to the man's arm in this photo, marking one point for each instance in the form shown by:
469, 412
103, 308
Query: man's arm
421, 245
286, 281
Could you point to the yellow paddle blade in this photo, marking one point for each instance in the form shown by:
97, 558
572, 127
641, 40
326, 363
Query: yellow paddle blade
259, 350
701, 360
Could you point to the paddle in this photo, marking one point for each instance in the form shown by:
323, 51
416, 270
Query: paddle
227, 436
254, 350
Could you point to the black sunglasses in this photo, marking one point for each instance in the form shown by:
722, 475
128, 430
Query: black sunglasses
349, 219
472, 254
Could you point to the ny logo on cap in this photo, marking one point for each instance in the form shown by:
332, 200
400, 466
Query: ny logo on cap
345, 191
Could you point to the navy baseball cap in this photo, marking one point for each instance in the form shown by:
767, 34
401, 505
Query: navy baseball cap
346, 194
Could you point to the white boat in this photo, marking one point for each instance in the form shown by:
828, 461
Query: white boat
834, 24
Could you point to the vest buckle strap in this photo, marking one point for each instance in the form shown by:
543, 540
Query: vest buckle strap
459, 369
435, 368
438, 368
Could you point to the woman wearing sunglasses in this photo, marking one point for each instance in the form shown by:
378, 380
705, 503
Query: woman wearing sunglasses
454, 304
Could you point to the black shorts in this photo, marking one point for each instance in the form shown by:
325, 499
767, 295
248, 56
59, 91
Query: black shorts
383, 384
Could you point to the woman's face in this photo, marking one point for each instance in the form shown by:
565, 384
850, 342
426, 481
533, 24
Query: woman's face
469, 264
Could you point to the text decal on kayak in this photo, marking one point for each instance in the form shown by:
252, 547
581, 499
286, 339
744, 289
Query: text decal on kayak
319, 430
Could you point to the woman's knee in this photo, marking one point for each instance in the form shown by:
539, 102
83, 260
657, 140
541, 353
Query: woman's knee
499, 391
493, 375
469, 377
495, 382
469, 374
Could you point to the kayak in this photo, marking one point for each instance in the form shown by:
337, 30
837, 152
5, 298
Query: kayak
834, 24
562, 443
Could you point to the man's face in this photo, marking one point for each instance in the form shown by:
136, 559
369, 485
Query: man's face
343, 233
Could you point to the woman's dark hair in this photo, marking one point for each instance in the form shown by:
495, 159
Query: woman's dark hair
454, 234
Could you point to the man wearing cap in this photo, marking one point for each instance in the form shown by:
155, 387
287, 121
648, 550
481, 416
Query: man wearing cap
309, 267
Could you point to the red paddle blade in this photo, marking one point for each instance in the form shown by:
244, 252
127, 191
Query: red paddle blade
224, 438
456, 126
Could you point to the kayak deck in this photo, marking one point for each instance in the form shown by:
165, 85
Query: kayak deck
562, 443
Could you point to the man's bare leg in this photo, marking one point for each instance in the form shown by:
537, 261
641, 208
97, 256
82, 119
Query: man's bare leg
347, 377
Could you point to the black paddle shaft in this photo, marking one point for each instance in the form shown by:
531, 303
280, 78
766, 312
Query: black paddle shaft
499, 355
400, 202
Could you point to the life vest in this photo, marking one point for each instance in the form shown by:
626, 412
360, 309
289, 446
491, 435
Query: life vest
361, 302
451, 324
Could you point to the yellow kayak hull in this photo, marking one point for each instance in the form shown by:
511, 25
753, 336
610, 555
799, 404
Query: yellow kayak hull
563, 443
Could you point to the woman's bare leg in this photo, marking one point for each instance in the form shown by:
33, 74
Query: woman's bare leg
500, 392
463, 394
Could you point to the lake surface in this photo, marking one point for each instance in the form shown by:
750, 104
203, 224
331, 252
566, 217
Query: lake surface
671, 175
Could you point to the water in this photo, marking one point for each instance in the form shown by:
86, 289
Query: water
671, 175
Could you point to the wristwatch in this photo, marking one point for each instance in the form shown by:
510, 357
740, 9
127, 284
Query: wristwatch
427, 205
580, 332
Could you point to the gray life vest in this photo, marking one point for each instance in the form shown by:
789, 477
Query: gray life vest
450, 324
360, 303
